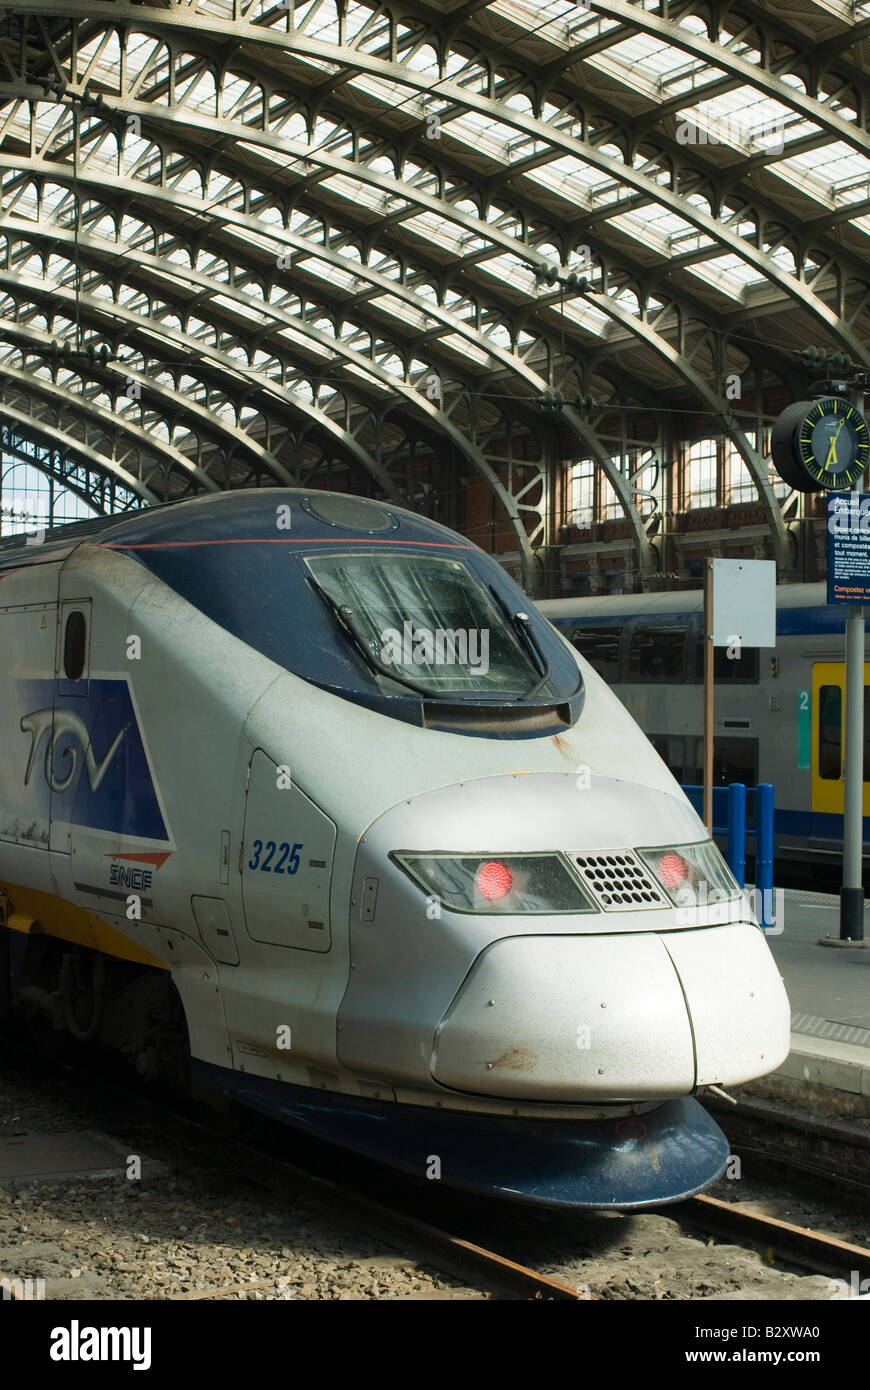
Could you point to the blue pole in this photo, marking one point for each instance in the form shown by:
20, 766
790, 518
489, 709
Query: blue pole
737, 832
764, 852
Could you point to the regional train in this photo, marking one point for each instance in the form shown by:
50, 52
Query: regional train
304, 804
778, 711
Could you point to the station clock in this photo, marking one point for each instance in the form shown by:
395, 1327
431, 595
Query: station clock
820, 444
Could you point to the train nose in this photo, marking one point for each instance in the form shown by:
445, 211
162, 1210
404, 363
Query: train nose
615, 1017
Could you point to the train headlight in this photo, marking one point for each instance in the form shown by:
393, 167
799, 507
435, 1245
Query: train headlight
692, 875
494, 880
520, 883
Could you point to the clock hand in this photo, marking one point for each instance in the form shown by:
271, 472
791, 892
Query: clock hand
832, 451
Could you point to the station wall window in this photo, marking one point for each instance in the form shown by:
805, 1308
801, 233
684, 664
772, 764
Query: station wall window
657, 653
581, 493
741, 487
701, 474
600, 646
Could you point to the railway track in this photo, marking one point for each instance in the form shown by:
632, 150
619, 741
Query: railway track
485, 1262
815, 1251
786, 1139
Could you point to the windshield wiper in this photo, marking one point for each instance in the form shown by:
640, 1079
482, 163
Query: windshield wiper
520, 624
344, 616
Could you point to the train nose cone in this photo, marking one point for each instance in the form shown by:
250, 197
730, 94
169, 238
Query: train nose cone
614, 1017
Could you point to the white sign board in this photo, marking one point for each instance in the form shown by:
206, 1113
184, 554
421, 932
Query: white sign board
744, 603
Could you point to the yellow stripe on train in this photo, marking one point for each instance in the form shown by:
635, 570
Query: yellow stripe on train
30, 910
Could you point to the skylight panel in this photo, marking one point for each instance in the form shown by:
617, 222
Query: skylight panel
572, 176
585, 315
827, 173
466, 349
403, 311
325, 25
332, 274
371, 381
744, 119
657, 227
392, 94
559, 16
252, 238
729, 273
239, 307
357, 192
290, 335
430, 227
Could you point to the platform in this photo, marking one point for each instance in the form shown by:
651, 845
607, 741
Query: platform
828, 1068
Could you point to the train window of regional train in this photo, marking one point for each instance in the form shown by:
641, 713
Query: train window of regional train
735, 760
830, 732
672, 752
657, 653
728, 668
600, 646
74, 645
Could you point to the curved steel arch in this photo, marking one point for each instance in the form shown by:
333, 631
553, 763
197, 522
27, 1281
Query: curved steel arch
13, 449
68, 443
345, 61
581, 428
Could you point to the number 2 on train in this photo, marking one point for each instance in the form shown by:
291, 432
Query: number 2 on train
284, 851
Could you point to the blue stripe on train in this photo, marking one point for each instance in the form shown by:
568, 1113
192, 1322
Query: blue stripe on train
821, 825
790, 622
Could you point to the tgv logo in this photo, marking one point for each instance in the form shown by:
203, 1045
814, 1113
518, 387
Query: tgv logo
60, 722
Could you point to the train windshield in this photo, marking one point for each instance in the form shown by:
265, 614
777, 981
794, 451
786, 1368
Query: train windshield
428, 624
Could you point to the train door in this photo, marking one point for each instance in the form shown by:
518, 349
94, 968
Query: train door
26, 685
286, 861
71, 751
826, 762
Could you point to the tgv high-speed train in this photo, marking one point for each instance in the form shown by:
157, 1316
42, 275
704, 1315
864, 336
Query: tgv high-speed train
778, 712
302, 800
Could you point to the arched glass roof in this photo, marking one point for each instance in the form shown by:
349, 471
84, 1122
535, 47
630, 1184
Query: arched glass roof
356, 245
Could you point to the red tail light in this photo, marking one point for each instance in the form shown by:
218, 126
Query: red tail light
672, 870
494, 880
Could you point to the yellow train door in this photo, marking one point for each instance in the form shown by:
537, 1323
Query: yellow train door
827, 739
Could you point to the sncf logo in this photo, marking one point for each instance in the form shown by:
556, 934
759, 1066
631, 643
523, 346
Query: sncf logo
130, 876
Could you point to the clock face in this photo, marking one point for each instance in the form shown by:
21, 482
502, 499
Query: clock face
832, 443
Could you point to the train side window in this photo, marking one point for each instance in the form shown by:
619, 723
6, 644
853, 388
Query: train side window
600, 646
672, 752
742, 668
657, 653
736, 668
735, 760
831, 732
75, 645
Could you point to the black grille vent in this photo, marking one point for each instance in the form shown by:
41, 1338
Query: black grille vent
619, 882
